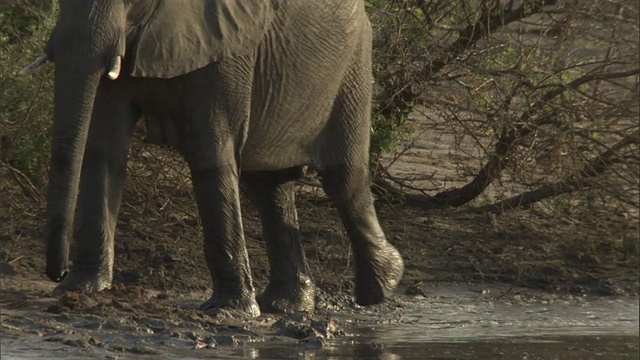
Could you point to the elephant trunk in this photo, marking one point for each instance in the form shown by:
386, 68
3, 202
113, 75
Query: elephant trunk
75, 92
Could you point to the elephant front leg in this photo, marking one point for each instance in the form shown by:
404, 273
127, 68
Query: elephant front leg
217, 195
101, 184
290, 287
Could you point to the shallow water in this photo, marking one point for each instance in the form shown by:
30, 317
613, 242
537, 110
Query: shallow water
458, 326
565, 347
451, 323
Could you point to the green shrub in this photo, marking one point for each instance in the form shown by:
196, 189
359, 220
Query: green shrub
26, 110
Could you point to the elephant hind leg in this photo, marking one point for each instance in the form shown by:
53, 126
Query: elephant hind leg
378, 265
346, 180
290, 287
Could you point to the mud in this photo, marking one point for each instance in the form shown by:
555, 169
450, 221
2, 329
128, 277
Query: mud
132, 320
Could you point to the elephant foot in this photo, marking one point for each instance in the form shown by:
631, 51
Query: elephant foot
378, 275
84, 280
244, 305
289, 299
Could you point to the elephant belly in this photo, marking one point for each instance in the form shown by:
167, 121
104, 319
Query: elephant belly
161, 130
278, 152
290, 132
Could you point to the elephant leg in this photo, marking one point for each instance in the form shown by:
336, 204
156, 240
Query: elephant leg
101, 183
290, 287
217, 195
346, 180
211, 138
378, 265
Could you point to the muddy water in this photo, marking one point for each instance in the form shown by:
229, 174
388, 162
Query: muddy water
445, 323
465, 323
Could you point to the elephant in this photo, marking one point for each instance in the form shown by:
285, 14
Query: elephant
262, 88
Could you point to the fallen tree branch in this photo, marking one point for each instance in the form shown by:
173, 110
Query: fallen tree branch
575, 182
526, 124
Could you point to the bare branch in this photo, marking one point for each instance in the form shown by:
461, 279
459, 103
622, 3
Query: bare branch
576, 182
25, 183
490, 20
527, 123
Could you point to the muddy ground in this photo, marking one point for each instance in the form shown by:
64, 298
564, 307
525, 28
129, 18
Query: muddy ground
161, 278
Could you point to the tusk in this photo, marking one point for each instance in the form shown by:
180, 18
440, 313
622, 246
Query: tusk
114, 70
34, 65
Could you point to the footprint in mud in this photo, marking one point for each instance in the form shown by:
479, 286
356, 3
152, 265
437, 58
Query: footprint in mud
71, 301
118, 298
308, 330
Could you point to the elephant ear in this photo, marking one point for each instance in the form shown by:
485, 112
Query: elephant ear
184, 35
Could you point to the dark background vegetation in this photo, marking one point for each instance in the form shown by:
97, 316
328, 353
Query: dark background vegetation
535, 102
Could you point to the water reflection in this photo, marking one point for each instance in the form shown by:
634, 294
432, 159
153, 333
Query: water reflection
547, 348
557, 348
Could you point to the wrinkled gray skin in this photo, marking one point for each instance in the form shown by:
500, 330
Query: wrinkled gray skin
263, 87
